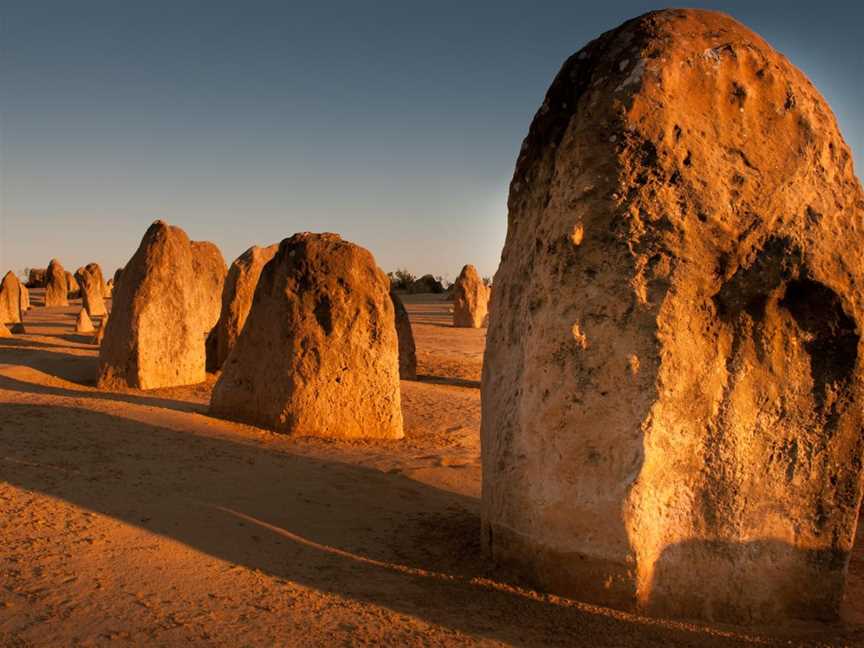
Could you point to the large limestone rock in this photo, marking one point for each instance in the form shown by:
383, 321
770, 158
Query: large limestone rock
319, 353
72, 287
154, 337
56, 288
10, 299
470, 299
236, 301
672, 386
92, 289
209, 274
407, 348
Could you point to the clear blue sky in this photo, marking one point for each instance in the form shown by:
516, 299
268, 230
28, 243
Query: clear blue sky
395, 124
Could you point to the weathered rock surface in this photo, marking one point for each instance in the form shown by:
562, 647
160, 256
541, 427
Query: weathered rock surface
36, 278
319, 353
672, 384
72, 287
92, 288
154, 337
426, 284
210, 270
470, 299
10, 299
83, 324
407, 348
237, 296
56, 288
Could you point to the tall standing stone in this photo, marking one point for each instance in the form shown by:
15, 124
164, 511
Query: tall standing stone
209, 274
470, 299
672, 384
25, 298
56, 288
91, 283
73, 290
319, 353
154, 337
407, 348
236, 301
10, 299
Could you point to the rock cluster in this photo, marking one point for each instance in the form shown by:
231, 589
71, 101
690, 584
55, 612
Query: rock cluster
237, 296
56, 288
319, 353
672, 386
470, 299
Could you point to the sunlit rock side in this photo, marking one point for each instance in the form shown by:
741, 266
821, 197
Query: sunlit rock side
672, 385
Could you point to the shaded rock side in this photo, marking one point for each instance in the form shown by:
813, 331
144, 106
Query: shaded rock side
237, 297
10, 299
407, 348
25, 298
672, 383
36, 277
470, 299
319, 353
154, 336
56, 288
72, 287
426, 284
210, 270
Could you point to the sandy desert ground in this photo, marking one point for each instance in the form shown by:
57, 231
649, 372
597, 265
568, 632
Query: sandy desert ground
137, 519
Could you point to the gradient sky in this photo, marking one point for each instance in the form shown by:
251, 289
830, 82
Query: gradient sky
395, 124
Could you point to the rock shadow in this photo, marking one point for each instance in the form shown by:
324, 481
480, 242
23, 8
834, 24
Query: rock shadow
354, 532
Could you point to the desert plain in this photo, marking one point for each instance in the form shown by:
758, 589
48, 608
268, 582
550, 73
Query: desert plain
135, 518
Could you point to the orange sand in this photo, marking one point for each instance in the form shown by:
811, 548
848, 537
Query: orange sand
137, 519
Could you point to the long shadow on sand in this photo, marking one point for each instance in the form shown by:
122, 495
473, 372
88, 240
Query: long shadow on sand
375, 537
450, 381
77, 369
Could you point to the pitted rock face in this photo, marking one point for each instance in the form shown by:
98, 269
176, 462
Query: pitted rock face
672, 385
407, 348
56, 288
470, 299
319, 353
91, 285
236, 301
155, 335
10, 299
